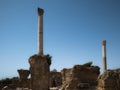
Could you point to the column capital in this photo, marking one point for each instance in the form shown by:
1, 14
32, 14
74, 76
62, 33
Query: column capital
40, 11
104, 42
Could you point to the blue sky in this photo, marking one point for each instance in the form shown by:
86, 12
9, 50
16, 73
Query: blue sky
73, 33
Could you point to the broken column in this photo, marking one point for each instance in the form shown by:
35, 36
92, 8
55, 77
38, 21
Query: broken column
104, 55
23, 80
40, 63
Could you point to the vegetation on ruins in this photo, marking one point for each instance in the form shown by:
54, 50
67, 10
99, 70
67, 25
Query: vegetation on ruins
10, 82
54, 70
48, 58
5, 81
88, 64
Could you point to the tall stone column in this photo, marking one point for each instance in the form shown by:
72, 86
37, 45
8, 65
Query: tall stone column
40, 63
104, 55
40, 31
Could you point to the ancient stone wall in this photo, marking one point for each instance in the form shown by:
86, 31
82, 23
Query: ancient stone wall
80, 77
66, 75
55, 79
109, 80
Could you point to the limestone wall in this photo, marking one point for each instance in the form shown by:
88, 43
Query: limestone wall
80, 77
66, 75
55, 79
109, 80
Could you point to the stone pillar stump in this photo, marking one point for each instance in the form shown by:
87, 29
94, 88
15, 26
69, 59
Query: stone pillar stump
40, 70
23, 74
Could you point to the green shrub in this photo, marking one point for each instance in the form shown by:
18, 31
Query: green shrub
88, 64
5, 81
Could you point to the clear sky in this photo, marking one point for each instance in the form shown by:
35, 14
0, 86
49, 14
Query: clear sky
73, 33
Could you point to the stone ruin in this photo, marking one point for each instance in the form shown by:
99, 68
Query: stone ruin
23, 78
39, 69
55, 79
109, 80
80, 77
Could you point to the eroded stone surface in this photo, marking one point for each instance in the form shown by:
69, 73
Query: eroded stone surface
55, 79
40, 71
23, 80
80, 77
109, 80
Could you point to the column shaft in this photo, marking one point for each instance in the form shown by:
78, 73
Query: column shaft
104, 55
